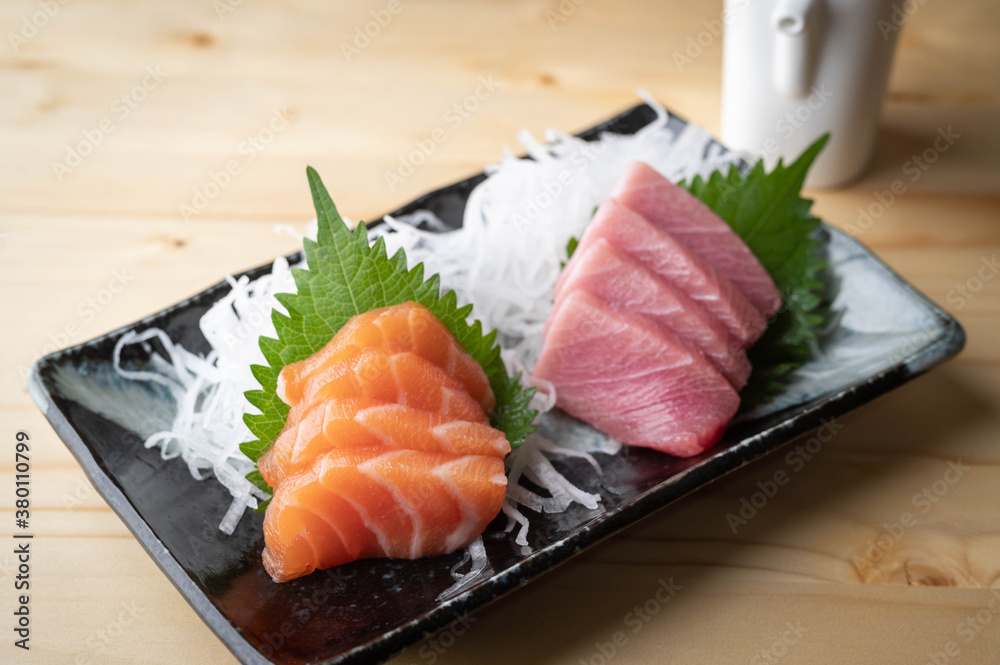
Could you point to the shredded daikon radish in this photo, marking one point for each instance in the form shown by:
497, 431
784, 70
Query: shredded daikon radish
517, 223
512, 245
479, 567
504, 260
208, 427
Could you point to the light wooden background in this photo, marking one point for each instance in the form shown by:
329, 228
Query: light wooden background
97, 597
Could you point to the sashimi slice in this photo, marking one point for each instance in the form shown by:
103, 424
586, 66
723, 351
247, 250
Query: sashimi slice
625, 284
358, 423
633, 380
476, 482
386, 451
661, 253
436, 511
321, 428
673, 209
330, 514
387, 374
411, 327
351, 505
403, 427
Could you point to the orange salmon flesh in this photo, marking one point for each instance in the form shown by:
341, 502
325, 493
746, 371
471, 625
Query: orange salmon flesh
387, 450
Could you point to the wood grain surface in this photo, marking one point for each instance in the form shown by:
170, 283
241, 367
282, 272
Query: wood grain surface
823, 573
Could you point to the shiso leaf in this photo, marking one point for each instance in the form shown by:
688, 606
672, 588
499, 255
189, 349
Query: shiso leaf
348, 276
768, 212
570, 248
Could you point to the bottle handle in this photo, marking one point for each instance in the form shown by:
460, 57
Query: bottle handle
791, 74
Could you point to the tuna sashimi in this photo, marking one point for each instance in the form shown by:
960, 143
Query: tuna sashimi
625, 284
661, 253
362, 503
632, 379
387, 450
366, 423
673, 209
408, 326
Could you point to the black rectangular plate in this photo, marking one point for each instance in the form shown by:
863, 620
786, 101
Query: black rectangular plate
366, 611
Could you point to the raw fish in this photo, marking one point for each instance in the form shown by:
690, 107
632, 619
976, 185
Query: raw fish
673, 209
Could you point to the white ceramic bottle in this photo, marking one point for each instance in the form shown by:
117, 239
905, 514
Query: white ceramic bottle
796, 69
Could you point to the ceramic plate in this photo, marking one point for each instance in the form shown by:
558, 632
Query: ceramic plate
887, 333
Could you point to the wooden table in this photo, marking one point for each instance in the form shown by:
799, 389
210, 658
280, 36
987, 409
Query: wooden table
204, 79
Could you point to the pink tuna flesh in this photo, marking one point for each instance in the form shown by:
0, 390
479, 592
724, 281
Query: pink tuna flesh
633, 380
673, 209
661, 253
626, 285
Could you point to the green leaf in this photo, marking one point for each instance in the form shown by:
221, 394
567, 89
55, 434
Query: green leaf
768, 212
570, 248
348, 276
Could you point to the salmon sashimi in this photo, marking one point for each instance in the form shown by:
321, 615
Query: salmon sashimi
675, 210
366, 423
387, 450
358, 504
411, 327
353, 504
664, 255
386, 374
625, 284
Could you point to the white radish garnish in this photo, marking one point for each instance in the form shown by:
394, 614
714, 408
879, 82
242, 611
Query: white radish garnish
504, 260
